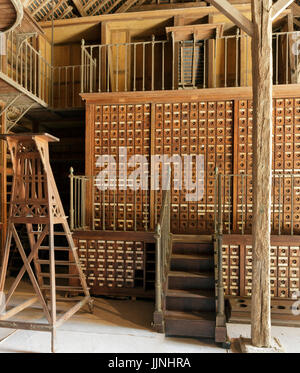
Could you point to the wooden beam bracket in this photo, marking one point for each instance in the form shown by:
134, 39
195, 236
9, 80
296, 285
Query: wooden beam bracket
234, 15
279, 7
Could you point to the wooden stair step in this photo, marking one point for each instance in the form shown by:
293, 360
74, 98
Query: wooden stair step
191, 293
192, 248
191, 280
203, 316
192, 256
190, 324
193, 238
190, 300
204, 274
192, 262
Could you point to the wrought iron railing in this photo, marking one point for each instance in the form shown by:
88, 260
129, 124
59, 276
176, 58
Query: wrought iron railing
170, 65
96, 208
237, 202
218, 252
143, 66
234, 209
66, 87
25, 67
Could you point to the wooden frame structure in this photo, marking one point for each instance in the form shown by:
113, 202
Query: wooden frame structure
36, 203
260, 28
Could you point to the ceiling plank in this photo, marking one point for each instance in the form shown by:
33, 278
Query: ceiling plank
102, 7
48, 16
41, 6
112, 6
80, 7
234, 15
279, 7
138, 4
128, 4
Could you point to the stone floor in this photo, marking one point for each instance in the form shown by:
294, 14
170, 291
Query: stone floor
119, 326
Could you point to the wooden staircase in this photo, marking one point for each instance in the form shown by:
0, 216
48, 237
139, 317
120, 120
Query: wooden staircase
190, 305
189, 292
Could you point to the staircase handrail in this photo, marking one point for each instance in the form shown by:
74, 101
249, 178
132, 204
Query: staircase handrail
163, 254
218, 243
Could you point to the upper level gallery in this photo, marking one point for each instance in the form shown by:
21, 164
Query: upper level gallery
173, 49
25, 61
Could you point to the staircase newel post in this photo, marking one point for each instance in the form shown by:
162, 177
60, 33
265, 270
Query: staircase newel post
82, 68
71, 198
158, 323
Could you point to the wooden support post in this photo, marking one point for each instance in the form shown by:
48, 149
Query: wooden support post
262, 171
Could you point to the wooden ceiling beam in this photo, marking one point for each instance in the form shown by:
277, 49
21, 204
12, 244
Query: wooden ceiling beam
234, 15
279, 7
296, 9
140, 6
296, 22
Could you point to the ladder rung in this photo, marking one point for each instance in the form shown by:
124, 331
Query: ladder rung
57, 262
57, 248
65, 288
55, 233
61, 275
59, 299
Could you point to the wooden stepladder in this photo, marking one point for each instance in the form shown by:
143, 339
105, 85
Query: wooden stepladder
36, 205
